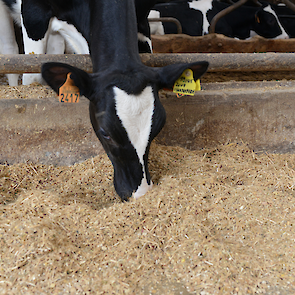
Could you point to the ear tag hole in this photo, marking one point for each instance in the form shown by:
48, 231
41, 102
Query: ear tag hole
186, 85
68, 92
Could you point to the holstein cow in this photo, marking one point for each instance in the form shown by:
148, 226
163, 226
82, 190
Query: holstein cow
125, 109
58, 33
242, 23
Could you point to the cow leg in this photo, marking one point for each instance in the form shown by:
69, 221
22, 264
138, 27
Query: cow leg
75, 42
8, 43
33, 47
55, 44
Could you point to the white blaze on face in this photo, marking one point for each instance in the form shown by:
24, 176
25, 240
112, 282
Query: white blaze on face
135, 113
284, 35
203, 6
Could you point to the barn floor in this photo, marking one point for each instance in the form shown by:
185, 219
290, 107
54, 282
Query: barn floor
218, 221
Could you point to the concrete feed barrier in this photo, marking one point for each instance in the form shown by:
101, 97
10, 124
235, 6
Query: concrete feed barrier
258, 113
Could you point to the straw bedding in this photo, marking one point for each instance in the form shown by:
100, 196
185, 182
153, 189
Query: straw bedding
218, 221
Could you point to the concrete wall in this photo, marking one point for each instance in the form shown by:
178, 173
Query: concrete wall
258, 113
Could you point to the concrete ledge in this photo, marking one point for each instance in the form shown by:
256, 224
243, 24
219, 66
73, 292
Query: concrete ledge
46, 131
259, 113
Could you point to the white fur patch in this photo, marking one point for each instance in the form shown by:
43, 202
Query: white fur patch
156, 27
135, 113
203, 6
16, 12
76, 42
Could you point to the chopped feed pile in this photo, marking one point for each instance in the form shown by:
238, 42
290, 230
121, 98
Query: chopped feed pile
218, 221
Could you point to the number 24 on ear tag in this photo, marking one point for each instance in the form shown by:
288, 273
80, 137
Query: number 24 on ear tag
68, 92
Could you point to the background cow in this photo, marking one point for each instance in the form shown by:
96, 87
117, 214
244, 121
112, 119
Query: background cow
59, 38
242, 23
125, 109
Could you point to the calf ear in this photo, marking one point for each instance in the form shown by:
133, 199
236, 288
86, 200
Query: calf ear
169, 74
55, 75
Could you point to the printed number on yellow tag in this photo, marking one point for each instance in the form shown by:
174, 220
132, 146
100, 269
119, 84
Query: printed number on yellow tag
185, 84
68, 92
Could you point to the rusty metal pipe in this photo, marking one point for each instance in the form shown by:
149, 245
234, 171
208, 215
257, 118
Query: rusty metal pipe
219, 62
31, 63
289, 4
224, 12
227, 62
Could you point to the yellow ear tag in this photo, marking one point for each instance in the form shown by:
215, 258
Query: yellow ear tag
185, 84
68, 92
198, 85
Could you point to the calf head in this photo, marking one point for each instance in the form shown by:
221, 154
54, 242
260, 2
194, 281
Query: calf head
126, 114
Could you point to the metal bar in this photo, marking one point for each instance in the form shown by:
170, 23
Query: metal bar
224, 12
227, 62
289, 4
31, 63
286, 16
168, 19
219, 62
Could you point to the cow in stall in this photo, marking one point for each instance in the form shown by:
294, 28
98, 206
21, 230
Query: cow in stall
60, 37
242, 23
125, 109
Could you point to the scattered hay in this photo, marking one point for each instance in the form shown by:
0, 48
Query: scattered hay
218, 221
33, 91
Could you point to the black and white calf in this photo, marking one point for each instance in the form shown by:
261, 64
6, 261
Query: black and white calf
60, 36
242, 23
125, 109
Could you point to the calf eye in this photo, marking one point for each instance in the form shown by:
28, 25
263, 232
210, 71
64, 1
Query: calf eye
104, 134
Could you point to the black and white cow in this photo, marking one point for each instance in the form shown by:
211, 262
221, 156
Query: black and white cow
59, 37
125, 109
242, 23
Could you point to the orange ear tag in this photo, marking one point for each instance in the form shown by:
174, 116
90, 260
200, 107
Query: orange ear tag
186, 85
68, 92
